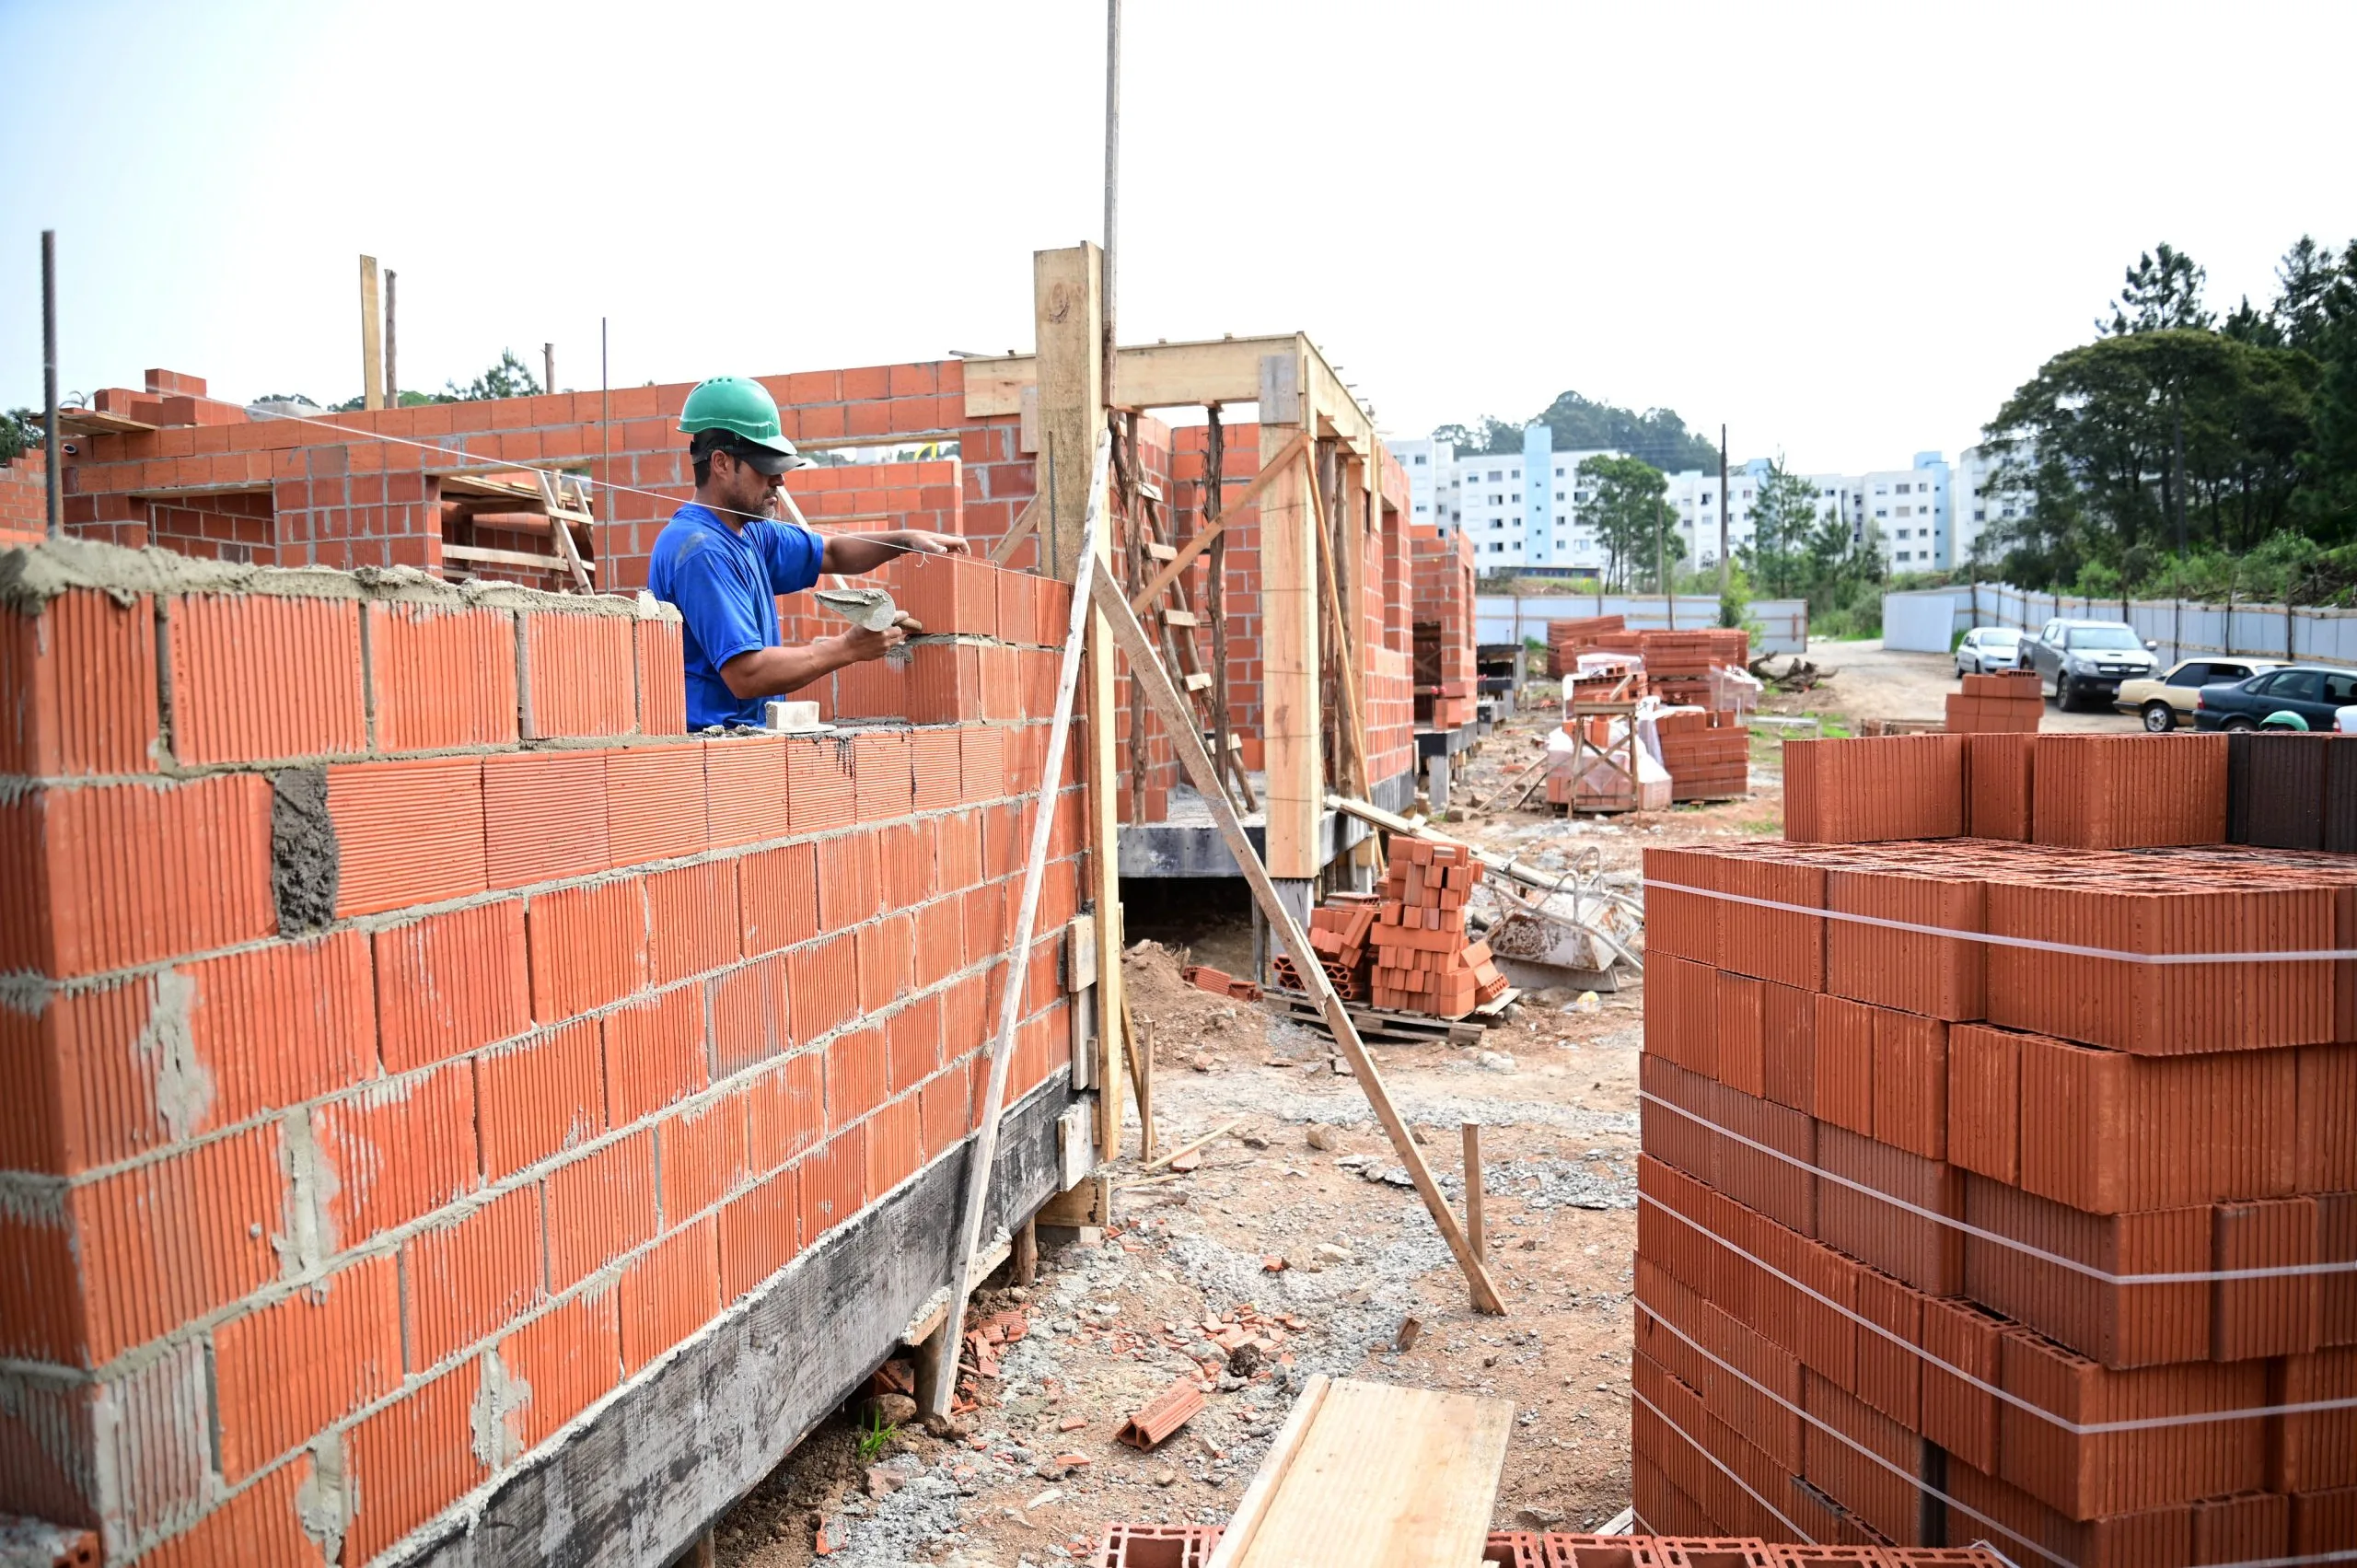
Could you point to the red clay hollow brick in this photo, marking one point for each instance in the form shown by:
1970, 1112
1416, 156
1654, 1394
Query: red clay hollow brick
258, 678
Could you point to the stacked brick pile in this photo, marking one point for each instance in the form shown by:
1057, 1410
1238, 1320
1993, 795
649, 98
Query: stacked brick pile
1604, 678
1443, 629
1190, 1546
1678, 664
1338, 932
1708, 754
1566, 640
1944, 1239
414, 1036
1422, 961
2007, 702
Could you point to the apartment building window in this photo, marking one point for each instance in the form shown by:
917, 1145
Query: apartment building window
1706, 498
1420, 459
1882, 511
1559, 495
1906, 511
1903, 533
1903, 555
1497, 522
1497, 500
1496, 549
1980, 514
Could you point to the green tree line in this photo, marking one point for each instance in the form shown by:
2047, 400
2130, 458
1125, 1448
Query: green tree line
2184, 454
1577, 423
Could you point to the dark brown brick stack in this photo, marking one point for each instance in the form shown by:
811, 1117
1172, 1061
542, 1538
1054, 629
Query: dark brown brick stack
1931, 1225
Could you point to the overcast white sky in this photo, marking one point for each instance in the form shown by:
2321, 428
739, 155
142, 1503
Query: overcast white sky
1847, 231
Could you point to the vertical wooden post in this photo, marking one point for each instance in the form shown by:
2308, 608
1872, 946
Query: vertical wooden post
1477, 1230
1290, 639
1125, 515
1362, 508
1068, 312
372, 339
1024, 1252
1207, 515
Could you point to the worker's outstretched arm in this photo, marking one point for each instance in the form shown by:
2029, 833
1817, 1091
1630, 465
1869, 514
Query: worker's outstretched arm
776, 673
852, 554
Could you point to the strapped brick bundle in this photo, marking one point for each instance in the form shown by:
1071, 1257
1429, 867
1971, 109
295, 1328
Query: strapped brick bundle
1969, 1208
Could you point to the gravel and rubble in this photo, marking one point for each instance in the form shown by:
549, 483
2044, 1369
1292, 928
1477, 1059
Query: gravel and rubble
1293, 1247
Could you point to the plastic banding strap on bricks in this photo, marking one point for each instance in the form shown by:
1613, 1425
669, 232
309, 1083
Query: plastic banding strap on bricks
2298, 955
2188, 1277
2077, 1429
1921, 1485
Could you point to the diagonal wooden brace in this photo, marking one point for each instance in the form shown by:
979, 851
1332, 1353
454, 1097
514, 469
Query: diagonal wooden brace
1146, 669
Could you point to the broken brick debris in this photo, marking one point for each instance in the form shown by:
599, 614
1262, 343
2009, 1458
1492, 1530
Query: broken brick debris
1162, 1415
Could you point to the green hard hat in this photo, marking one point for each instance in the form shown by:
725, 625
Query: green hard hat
744, 409
2283, 719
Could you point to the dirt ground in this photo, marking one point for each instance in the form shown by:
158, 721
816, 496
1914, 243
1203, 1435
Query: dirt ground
1872, 682
1320, 1248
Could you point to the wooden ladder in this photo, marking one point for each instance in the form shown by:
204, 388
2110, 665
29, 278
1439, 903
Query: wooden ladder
1173, 613
566, 497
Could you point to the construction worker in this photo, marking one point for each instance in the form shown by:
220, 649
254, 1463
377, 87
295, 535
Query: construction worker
725, 557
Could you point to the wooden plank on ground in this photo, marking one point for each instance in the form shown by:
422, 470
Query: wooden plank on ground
1373, 1476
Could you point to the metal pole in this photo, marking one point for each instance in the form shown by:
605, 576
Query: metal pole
2177, 473
548, 367
605, 427
392, 370
1112, 172
1661, 565
48, 380
1723, 515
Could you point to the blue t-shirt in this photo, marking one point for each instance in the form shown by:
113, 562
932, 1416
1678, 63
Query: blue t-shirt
725, 585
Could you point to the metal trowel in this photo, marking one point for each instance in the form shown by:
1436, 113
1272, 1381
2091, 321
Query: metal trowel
871, 609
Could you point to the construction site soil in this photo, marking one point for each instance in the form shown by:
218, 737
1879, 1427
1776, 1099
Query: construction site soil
1301, 1220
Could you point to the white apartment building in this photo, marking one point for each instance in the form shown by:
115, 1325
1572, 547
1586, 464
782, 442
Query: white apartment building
1522, 510
1980, 504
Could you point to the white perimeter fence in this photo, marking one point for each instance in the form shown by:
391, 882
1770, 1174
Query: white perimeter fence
1927, 619
1510, 618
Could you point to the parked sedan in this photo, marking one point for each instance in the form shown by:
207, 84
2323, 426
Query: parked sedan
2312, 691
1985, 648
2166, 701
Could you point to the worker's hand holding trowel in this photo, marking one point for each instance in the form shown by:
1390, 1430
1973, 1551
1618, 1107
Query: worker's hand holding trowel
878, 625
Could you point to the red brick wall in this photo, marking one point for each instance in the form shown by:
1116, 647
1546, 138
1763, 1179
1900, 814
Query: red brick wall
367, 497
23, 499
600, 1028
1444, 610
1389, 682
371, 497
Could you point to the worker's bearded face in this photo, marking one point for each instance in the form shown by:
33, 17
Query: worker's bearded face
744, 489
